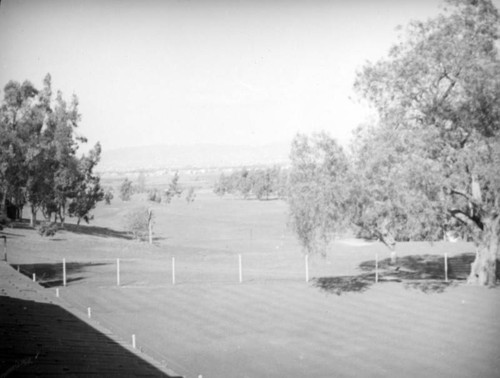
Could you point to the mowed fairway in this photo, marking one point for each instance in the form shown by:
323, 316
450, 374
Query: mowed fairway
273, 324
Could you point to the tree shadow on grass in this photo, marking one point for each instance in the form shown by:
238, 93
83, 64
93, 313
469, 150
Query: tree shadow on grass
421, 272
343, 284
104, 232
430, 286
23, 224
9, 235
81, 229
51, 275
424, 267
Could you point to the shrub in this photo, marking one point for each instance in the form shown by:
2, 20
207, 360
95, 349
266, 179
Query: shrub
154, 195
126, 190
137, 222
108, 196
191, 195
174, 189
48, 229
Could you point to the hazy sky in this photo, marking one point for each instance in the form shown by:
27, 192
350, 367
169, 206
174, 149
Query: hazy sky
200, 71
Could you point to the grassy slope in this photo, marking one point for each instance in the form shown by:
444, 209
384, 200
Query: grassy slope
274, 324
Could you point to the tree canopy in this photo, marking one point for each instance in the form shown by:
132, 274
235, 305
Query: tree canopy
430, 163
39, 164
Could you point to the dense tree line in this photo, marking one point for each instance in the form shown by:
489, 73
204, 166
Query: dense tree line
39, 164
431, 161
262, 183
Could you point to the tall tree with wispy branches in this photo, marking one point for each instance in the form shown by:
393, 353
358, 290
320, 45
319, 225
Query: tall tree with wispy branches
435, 152
431, 161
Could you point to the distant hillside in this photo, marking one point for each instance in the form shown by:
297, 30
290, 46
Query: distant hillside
195, 156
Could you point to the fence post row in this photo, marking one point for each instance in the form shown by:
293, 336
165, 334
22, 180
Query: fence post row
240, 269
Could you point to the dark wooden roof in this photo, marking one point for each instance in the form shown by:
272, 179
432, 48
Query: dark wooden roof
40, 338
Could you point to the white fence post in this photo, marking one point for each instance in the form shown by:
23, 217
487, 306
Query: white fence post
89, 312
446, 267
133, 341
64, 272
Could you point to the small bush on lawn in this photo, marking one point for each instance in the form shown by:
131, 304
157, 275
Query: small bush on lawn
154, 195
137, 223
48, 229
191, 195
108, 196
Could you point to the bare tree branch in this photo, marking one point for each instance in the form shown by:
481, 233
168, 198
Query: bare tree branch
460, 216
461, 193
465, 218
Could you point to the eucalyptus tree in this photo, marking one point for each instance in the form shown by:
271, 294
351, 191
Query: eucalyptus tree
126, 189
318, 190
21, 157
174, 189
88, 190
62, 147
38, 158
435, 153
431, 161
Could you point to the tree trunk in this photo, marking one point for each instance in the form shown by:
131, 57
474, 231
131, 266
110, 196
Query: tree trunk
3, 208
33, 216
62, 219
150, 225
483, 269
62, 215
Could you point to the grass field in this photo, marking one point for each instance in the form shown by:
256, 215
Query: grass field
274, 323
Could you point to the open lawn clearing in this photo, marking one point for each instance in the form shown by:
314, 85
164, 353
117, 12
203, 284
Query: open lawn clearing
276, 329
274, 324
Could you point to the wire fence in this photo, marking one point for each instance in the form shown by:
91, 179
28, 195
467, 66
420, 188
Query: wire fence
216, 268
170, 271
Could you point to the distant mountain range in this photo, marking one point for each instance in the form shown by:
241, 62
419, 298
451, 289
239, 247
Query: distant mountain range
192, 156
